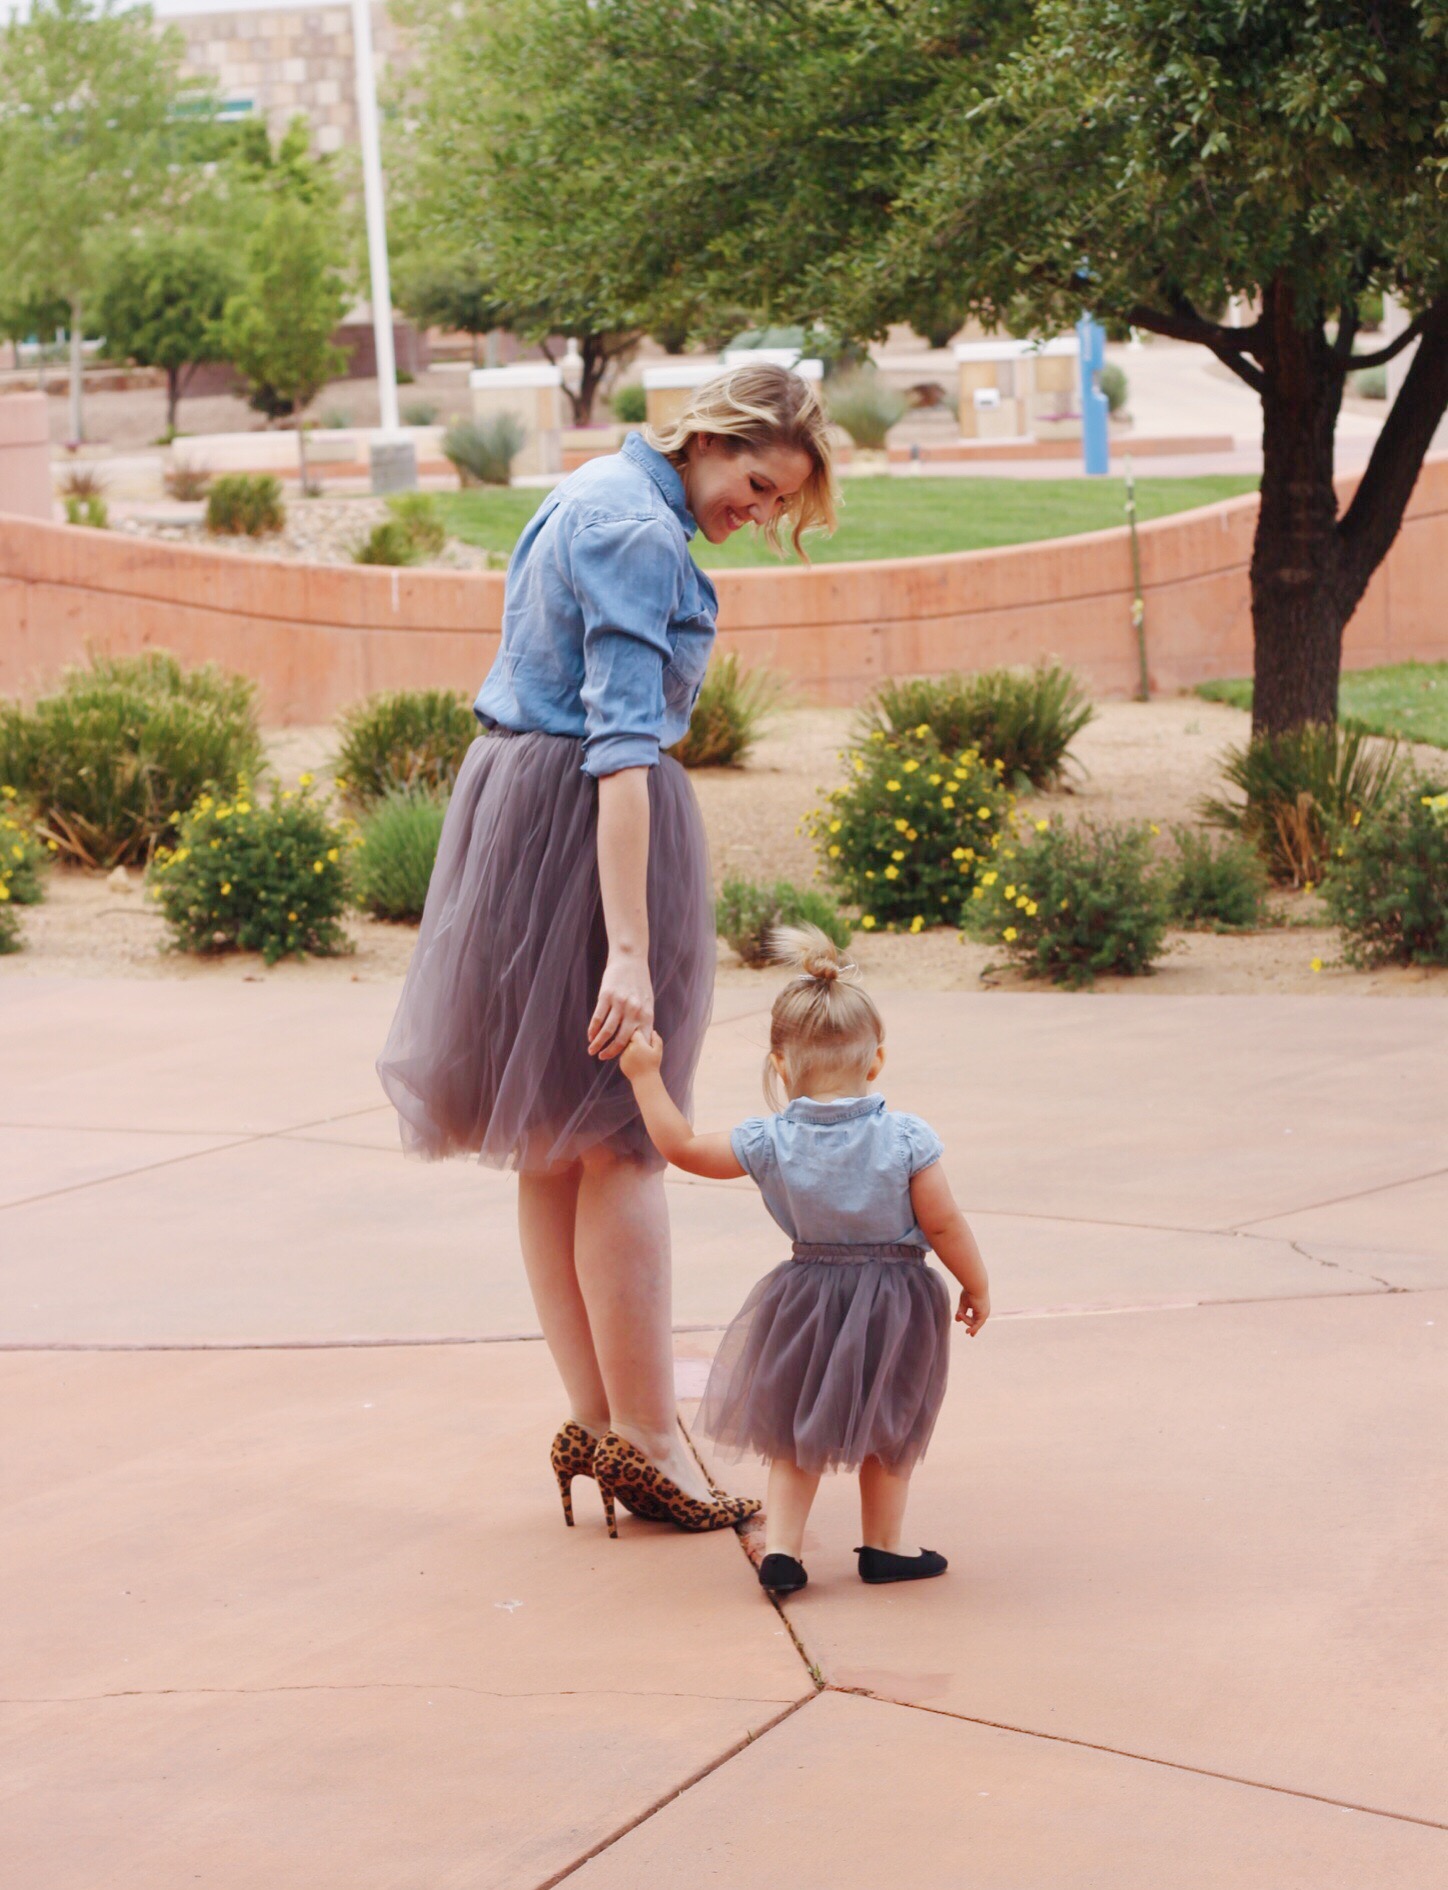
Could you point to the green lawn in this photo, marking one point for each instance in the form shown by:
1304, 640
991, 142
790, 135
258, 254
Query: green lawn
1409, 700
901, 518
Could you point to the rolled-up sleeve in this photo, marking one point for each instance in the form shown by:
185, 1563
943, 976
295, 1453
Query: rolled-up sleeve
628, 578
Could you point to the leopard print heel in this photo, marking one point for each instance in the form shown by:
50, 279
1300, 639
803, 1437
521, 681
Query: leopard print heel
572, 1456
623, 1471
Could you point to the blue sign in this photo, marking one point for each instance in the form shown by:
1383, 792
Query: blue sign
1095, 444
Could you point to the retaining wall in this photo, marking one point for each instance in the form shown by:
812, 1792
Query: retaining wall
316, 637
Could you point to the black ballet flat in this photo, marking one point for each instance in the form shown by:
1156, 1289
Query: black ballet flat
878, 1565
781, 1574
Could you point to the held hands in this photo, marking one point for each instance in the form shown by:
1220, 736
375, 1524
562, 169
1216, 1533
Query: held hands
625, 1005
973, 1311
643, 1054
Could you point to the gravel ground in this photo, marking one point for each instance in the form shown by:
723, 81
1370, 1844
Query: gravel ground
1139, 761
317, 531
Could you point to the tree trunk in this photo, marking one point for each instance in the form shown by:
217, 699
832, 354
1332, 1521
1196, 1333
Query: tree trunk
77, 373
173, 397
1300, 603
302, 455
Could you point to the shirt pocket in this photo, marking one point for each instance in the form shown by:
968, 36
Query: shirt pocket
690, 644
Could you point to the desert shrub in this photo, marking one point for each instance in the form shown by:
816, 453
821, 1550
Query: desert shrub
24, 857
912, 829
412, 739
419, 413
744, 914
262, 879
1075, 903
1299, 789
92, 511
245, 505
1113, 383
733, 710
863, 404
1217, 886
82, 482
392, 866
187, 483
111, 759
630, 405
482, 451
1369, 383
335, 419
419, 517
387, 543
1026, 719
1387, 886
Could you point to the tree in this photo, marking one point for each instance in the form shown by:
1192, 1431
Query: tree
452, 296
870, 161
161, 301
277, 328
87, 142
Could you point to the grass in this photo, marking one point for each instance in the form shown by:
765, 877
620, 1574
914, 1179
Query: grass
1405, 700
885, 517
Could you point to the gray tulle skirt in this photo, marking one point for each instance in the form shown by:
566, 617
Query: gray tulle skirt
839, 1354
487, 1054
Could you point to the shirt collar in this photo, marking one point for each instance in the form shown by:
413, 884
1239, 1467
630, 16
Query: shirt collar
636, 448
806, 1109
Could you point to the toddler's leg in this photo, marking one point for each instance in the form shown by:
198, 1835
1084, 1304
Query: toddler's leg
883, 1495
787, 1507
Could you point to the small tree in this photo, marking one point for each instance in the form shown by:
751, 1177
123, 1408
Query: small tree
162, 298
278, 327
454, 296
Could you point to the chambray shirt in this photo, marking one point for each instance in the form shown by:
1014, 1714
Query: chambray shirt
838, 1173
607, 621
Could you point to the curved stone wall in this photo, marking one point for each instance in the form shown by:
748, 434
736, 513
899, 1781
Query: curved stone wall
317, 637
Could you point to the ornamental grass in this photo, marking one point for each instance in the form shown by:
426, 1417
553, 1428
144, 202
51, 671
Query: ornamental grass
392, 865
403, 740
1026, 719
734, 709
746, 913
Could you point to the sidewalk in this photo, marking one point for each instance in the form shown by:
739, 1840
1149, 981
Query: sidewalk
287, 1599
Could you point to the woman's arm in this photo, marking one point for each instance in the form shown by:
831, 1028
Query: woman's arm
626, 994
668, 1127
945, 1227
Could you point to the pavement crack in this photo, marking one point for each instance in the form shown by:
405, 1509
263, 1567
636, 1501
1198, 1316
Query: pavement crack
1341, 1266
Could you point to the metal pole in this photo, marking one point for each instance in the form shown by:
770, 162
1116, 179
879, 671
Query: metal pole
1138, 603
376, 221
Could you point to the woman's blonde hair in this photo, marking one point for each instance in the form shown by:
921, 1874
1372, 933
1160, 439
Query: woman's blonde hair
761, 405
824, 1026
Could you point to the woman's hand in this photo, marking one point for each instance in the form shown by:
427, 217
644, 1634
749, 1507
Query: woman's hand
625, 1005
973, 1311
643, 1054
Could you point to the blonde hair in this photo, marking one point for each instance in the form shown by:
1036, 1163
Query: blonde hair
824, 1024
761, 405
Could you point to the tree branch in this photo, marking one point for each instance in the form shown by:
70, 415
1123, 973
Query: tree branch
1228, 344
1382, 356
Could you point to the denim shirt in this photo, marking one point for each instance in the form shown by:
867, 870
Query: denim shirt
607, 621
838, 1173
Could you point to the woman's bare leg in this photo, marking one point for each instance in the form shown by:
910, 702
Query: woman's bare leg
883, 1495
621, 1249
787, 1507
547, 1213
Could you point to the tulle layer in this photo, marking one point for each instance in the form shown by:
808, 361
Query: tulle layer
832, 1361
487, 1054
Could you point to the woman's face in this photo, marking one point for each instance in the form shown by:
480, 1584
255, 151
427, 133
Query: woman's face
728, 489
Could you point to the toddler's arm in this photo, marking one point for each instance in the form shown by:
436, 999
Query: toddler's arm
669, 1131
945, 1227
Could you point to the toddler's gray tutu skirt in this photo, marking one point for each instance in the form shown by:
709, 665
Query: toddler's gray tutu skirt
841, 1353
488, 1052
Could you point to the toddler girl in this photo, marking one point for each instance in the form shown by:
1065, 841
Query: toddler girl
837, 1360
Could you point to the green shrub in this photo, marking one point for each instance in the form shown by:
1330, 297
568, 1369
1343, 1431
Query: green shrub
1299, 789
630, 405
745, 914
1221, 887
335, 419
1076, 903
403, 738
1369, 383
482, 451
91, 510
261, 879
387, 543
419, 517
419, 413
1026, 719
245, 505
111, 759
863, 404
24, 857
1388, 883
392, 867
911, 831
1114, 385
733, 710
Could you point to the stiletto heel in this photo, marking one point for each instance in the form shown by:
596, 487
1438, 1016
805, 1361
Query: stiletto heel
607, 1495
571, 1456
565, 1490
623, 1471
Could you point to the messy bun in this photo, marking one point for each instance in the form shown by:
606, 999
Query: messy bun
824, 1027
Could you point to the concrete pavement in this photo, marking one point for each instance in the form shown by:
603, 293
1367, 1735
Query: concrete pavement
287, 1598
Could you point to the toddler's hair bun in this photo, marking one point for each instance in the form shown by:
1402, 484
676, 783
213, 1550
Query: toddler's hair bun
805, 948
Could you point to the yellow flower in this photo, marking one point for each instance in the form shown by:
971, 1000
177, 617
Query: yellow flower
990, 878
1009, 934
936, 779
917, 923
1064, 906
333, 854
923, 730
977, 892
1042, 825
867, 924
1032, 909
225, 887
910, 834
983, 813
999, 766
4, 889
877, 735
834, 853
243, 807
959, 854
835, 826
18, 851
892, 872
911, 766
869, 872
859, 765
897, 855
292, 916
1307, 885
9, 793
902, 825
319, 866
947, 800
304, 780
892, 787
1317, 964
1010, 892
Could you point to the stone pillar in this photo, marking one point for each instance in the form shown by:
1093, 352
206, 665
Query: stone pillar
25, 488
667, 388
532, 391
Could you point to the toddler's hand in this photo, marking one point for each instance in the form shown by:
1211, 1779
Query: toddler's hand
643, 1052
973, 1311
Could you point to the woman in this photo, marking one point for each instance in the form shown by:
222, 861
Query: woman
571, 904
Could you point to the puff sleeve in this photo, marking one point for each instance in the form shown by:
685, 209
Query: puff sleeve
920, 1144
753, 1145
